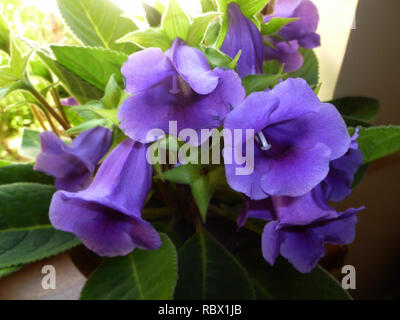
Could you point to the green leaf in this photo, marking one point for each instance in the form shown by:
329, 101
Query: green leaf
97, 23
184, 174
216, 58
95, 111
275, 24
379, 142
358, 108
251, 7
142, 275
148, 39
39, 69
87, 125
253, 83
94, 65
14, 86
283, 282
4, 35
30, 144
14, 173
7, 271
175, 22
80, 89
199, 27
6, 76
26, 234
212, 33
202, 191
310, 69
153, 16
113, 94
207, 271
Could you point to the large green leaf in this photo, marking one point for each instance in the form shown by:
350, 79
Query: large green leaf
379, 142
95, 65
207, 271
149, 38
97, 23
141, 275
23, 173
26, 234
250, 7
361, 109
7, 271
175, 22
80, 89
283, 282
310, 69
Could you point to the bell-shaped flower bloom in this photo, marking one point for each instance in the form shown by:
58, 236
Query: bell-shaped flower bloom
73, 166
107, 215
243, 36
296, 136
299, 33
177, 85
300, 227
338, 185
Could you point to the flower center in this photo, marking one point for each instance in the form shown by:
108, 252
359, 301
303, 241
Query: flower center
180, 86
262, 140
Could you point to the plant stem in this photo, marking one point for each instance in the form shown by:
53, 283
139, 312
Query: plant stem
47, 107
60, 107
38, 116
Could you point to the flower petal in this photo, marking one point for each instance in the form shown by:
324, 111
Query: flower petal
271, 242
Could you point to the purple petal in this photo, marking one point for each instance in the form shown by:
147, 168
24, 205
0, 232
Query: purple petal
92, 145
286, 54
303, 249
193, 67
146, 68
285, 8
243, 35
252, 209
302, 211
271, 243
70, 102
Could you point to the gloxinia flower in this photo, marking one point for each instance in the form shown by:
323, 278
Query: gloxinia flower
299, 33
71, 102
243, 35
296, 138
73, 166
338, 185
107, 215
177, 85
300, 227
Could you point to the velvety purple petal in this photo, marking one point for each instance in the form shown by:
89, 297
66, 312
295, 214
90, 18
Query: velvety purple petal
285, 8
302, 211
308, 21
252, 209
92, 145
296, 172
124, 179
286, 54
193, 67
339, 231
271, 242
310, 41
303, 249
56, 159
243, 35
296, 99
102, 229
145, 69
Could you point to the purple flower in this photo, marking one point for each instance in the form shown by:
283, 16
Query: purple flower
337, 186
107, 215
243, 35
296, 138
177, 85
299, 33
300, 227
73, 166
69, 102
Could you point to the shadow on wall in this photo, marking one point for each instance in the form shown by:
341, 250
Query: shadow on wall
372, 68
